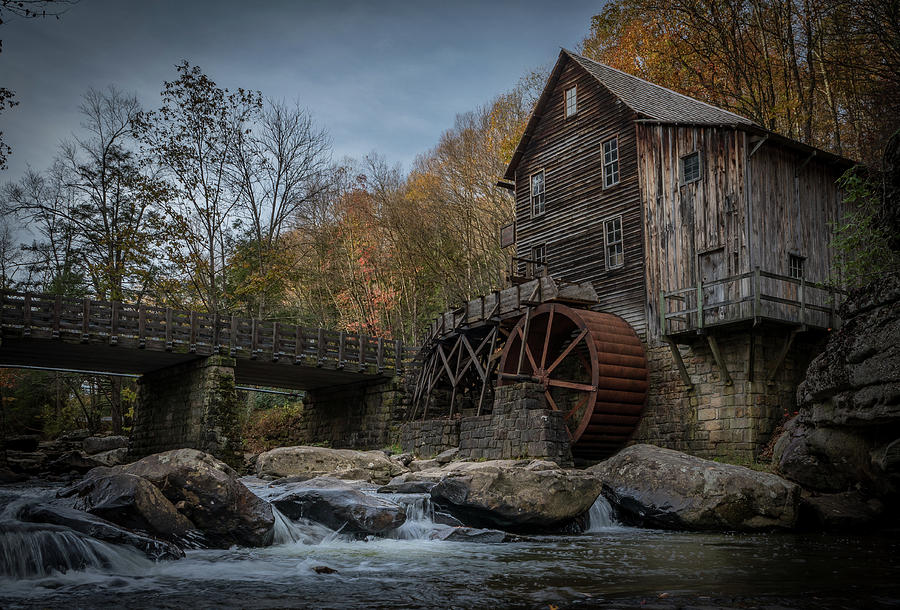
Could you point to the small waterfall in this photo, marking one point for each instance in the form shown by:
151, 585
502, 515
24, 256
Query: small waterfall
419, 523
600, 516
302, 531
29, 551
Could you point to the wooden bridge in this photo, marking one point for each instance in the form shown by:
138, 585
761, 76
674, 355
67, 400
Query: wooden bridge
55, 332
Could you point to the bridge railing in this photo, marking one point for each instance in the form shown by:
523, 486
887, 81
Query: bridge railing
159, 328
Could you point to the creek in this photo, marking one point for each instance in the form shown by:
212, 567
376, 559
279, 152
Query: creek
608, 565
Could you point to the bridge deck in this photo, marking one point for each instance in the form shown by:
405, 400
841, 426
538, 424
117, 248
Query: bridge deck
59, 332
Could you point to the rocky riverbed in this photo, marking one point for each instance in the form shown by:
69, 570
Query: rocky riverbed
349, 530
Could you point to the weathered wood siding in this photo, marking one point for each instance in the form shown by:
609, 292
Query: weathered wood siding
699, 231
570, 151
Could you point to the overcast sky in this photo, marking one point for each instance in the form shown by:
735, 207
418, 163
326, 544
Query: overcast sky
387, 76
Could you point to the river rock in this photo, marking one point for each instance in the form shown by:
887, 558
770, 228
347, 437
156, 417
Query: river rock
420, 465
113, 457
470, 534
407, 487
445, 457
130, 501
655, 487
73, 461
208, 492
371, 466
98, 528
337, 505
517, 495
849, 404
843, 512
98, 444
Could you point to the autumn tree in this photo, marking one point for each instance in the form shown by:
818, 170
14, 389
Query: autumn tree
195, 136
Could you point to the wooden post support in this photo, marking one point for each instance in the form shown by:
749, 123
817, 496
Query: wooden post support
362, 351
232, 337
192, 339
679, 362
115, 308
700, 312
142, 327
86, 321
756, 295
720, 362
26, 315
770, 376
341, 337
802, 300
253, 338
215, 334
169, 343
276, 348
57, 315
320, 348
298, 344
398, 356
662, 313
379, 358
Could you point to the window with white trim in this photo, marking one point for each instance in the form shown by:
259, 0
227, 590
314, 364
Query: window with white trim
571, 101
611, 162
538, 205
690, 168
615, 248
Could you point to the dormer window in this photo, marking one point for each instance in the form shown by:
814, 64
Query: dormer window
571, 102
538, 205
690, 168
610, 162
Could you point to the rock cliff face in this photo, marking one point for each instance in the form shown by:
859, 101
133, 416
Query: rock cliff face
847, 434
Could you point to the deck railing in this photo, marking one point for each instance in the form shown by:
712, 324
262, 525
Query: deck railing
45, 316
755, 295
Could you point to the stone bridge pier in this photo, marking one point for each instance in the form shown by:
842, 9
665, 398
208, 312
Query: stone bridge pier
189, 405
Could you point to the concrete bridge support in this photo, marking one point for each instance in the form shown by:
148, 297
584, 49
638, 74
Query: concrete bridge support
192, 405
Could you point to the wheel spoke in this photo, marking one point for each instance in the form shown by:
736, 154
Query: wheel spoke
547, 336
572, 385
580, 404
566, 351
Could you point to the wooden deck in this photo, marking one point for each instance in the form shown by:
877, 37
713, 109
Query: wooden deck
85, 334
757, 296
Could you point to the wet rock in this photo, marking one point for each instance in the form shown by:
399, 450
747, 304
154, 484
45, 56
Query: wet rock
442, 518
75, 435
324, 570
843, 512
77, 461
99, 528
129, 501
470, 534
372, 466
825, 459
23, 442
208, 492
420, 465
656, 487
447, 456
403, 458
337, 505
99, 444
509, 495
407, 487
113, 457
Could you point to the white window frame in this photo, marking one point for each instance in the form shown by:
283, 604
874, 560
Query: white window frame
681, 166
620, 242
574, 106
542, 195
614, 164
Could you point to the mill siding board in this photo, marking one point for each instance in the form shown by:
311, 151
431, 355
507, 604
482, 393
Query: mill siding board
744, 212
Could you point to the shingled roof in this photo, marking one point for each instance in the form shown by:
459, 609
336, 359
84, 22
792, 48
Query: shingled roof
652, 103
655, 102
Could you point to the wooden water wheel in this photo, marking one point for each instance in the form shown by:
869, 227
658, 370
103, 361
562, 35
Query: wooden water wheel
593, 369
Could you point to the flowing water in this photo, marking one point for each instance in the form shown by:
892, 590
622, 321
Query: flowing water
608, 564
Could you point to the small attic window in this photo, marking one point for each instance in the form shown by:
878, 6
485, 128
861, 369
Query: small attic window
690, 168
571, 101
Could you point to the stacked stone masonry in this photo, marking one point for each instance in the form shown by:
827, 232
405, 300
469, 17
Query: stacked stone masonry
715, 419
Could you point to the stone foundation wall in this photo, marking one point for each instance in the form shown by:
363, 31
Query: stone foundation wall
189, 405
520, 426
357, 417
718, 420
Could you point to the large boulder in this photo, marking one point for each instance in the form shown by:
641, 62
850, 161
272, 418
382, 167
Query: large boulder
129, 501
207, 491
311, 462
96, 527
514, 495
848, 428
337, 505
847, 511
655, 487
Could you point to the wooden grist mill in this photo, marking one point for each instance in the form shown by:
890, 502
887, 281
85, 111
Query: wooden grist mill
591, 365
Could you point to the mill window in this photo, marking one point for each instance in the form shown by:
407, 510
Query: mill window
571, 101
795, 269
538, 205
690, 168
615, 249
611, 162
539, 256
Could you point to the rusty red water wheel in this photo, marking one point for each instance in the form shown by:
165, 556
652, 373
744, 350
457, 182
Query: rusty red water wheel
593, 369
